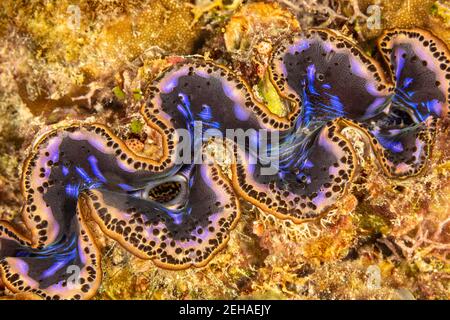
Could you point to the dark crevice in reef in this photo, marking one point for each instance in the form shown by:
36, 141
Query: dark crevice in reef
259, 253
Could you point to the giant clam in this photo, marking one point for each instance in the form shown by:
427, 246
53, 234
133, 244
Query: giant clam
180, 214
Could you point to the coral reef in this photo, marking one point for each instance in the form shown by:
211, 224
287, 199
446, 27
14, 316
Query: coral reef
384, 238
430, 14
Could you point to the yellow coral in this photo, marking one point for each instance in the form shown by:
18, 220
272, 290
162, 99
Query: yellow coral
69, 33
258, 21
429, 14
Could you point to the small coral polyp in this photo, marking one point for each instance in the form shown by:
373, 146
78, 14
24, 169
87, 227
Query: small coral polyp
181, 215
